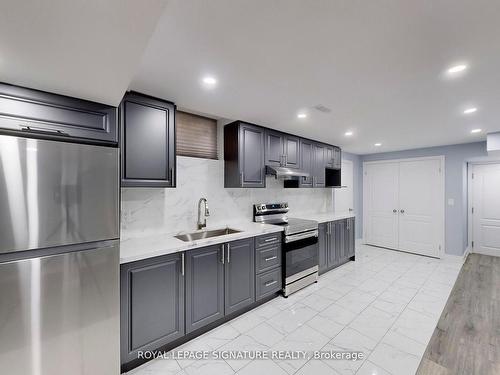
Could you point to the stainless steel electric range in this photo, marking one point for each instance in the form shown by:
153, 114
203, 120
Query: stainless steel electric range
300, 245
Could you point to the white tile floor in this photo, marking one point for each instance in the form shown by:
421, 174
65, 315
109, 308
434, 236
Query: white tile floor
386, 304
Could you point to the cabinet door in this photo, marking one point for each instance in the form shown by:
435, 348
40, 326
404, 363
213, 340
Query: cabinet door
342, 238
204, 286
329, 156
352, 237
251, 156
306, 157
50, 115
147, 141
319, 165
333, 244
323, 241
292, 151
152, 304
239, 285
337, 158
274, 148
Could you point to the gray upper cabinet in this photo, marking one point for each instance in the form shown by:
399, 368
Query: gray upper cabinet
152, 304
307, 162
319, 158
44, 115
204, 286
274, 148
291, 151
282, 150
147, 141
333, 157
244, 156
248, 149
337, 158
239, 275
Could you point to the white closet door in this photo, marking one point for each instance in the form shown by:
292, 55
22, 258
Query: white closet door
486, 203
420, 206
381, 199
344, 197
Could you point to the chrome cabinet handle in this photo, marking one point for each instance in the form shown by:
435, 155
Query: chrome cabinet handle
271, 283
228, 253
183, 266
270, 240
222, 257
271, 258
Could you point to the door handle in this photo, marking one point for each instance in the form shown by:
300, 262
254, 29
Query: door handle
183, 265
402, 211
350, 210
228, 253
222, 257
394, 210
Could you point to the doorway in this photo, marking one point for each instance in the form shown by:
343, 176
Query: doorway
484, 208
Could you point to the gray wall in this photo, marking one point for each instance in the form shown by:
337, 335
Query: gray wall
456, 158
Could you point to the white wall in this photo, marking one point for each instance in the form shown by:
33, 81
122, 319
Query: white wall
147, 211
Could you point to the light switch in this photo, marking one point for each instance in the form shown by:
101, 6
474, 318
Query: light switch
451, 202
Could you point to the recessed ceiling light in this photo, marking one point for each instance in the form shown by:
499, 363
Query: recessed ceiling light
457, 69
302, 115
470, 110
378, 144
474, 131
209, 81
348, 134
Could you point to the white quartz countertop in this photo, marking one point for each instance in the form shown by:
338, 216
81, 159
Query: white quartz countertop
134, 249
326, 216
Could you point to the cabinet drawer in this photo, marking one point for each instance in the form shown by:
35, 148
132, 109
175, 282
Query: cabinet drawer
268, 283
267, 258
268, 239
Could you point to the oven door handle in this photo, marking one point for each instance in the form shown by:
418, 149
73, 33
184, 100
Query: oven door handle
301, 236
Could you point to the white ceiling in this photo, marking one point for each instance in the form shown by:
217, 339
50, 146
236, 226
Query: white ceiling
377, 64
84, 48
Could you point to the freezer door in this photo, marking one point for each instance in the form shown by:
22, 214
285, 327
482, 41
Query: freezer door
60, 315
56, 193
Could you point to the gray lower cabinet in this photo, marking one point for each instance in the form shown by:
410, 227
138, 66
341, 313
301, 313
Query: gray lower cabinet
147, 141
152, 304
220, 280
204, 286
323, 242
244, 156
239, 281
336, 243
268, 259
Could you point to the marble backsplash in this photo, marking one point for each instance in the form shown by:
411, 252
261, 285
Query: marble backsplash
150, 211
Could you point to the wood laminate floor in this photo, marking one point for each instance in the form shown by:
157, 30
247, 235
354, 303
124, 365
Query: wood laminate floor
467, 337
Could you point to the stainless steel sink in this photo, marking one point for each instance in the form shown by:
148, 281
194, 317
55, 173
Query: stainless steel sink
206, 234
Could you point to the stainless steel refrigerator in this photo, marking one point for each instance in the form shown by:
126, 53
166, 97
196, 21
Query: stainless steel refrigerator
59, 258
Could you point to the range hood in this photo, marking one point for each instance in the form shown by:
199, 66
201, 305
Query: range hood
285, 173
